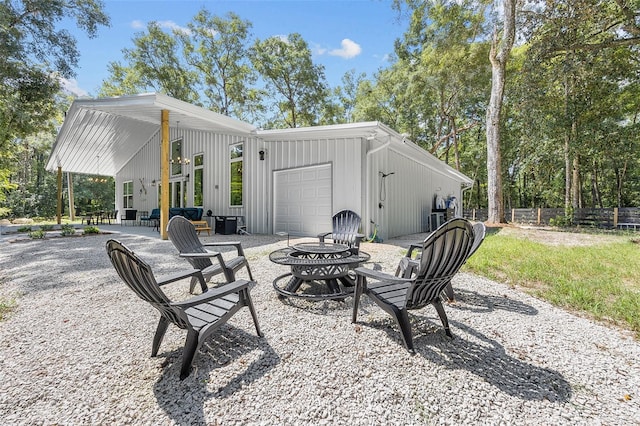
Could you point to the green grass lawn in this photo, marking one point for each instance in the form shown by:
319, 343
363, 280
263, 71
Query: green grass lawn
602, 280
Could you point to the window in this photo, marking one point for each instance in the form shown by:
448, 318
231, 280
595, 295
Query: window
198, 179
236, 167
176, 157
127, 195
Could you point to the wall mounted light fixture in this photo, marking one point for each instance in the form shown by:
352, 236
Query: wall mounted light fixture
262, 153
183, 161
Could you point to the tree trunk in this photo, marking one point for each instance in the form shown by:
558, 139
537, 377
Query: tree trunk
597, 198
456, 148
567, 174
576, 195
498, 56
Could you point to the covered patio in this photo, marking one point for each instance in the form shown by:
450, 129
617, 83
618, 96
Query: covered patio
100, 136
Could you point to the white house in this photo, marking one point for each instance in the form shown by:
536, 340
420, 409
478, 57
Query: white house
289, 180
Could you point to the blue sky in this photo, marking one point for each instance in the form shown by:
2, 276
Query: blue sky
343, 35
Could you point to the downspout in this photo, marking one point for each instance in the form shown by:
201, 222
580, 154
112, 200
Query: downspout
464, 188
368, 201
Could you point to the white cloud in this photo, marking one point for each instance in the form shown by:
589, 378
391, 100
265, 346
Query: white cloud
170, 25
173, 26
350, 49
71, 86
318, 50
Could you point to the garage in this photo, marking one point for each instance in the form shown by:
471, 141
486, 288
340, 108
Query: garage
302, 198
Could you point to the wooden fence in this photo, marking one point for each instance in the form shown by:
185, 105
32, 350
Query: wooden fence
607, 218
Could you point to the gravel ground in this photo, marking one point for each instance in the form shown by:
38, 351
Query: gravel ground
76, 351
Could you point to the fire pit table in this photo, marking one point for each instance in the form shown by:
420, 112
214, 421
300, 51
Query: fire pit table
326, 265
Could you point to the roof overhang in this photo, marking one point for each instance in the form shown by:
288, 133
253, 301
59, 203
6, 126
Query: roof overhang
100, 136
378, 134
363, 129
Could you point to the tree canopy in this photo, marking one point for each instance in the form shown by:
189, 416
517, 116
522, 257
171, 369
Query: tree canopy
36, 54
568, 124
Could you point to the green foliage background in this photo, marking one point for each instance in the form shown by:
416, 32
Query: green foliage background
570, 130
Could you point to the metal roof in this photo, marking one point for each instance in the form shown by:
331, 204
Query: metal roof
374, 130
99, 136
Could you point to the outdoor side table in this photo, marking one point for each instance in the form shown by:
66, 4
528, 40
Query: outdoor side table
322, 265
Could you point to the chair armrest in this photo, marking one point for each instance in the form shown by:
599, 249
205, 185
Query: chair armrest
406, 267
323, 235
179, 276
198, 255
413, 247
380, 276
236, 244
212, 294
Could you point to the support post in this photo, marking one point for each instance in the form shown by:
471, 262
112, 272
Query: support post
164, 173
59, 204
72, 207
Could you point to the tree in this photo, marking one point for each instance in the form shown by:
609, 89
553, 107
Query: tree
347, 94
205, 63
154, 63
587, 52
36, 54
216, 49
296, 84
443, 59
500, 49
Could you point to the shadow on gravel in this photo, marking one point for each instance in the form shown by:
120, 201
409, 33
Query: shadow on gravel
482, 356
231, 347
487, 359
476, 302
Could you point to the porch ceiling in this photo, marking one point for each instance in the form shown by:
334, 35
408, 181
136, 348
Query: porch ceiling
99, 136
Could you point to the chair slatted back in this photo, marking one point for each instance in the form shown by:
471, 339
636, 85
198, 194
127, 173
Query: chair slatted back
443, 253
139, 277
345, 227
183, 235
479, 232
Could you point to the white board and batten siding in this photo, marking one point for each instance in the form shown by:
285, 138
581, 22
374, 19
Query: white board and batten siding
407, 195
327, 169
145, 167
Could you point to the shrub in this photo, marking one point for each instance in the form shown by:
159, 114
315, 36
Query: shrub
561, 221
37, 235
24, 229
67, 229
46, 228
91, 230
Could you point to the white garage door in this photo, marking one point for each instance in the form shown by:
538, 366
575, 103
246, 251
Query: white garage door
303, 200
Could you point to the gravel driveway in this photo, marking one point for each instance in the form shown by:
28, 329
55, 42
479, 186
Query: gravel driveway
76, 351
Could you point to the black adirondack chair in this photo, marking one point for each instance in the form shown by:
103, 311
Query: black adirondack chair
184, 237
410, 264
479, 232
443, 253
345, 230
200, 315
